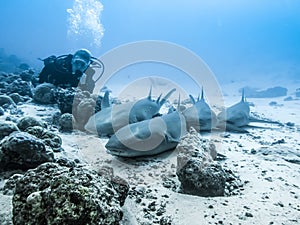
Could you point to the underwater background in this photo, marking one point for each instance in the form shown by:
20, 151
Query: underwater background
238, 40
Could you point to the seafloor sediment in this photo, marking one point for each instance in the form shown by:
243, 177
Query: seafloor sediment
261, 168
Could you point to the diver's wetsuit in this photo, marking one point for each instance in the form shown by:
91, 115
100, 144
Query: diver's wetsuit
58, 71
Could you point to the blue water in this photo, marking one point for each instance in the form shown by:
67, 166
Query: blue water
236, 39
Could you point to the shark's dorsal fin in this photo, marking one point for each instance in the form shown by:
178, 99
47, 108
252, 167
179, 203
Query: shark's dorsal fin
158, 99
202, 94
105, 100
150, 93
164, 99
243, 96
192, 99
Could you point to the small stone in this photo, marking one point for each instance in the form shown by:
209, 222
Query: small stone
290, 124
151, 206
248, 214
269, 179
290, 98
273, 103
138, 200
280, 204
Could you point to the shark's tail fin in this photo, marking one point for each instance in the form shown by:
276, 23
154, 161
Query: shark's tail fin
173, 109
178, 105
158, 99
105, 100
193, 101
164, 99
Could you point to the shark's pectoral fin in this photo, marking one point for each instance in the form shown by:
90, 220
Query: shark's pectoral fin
253, 119
262, 127
170, 139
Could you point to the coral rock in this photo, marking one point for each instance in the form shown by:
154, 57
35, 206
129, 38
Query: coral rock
6, 101
49, 138
44, 93
16, 97
29, 121
6, 128
54, 194
21, 87
21, 150
66, 122
196, 171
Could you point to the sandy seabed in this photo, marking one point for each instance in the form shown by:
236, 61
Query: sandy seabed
266, 159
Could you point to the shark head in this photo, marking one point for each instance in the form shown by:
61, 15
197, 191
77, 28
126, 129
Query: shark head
129, 146
117, 148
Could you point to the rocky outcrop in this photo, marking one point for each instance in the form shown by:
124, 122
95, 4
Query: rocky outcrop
49, 138
298, 92
29, 121
44, 93
66, 122
81, 104
17, 98
6, 128
200, 180
27, 74
5, 80
196, 170
268, 93
64, 99
6, 101
21, 87
21, 150
55, 194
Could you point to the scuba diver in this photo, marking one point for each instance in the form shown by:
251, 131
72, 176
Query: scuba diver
70, 70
